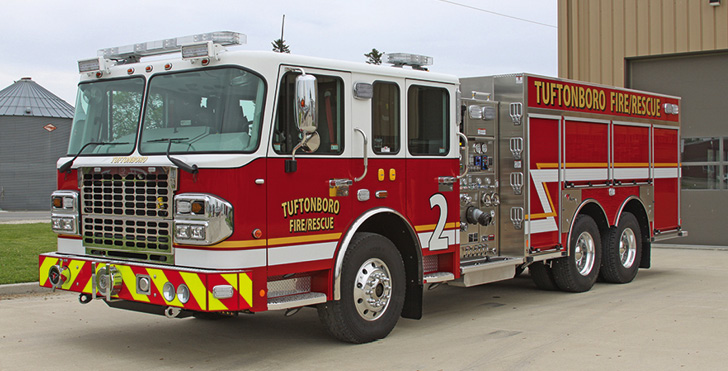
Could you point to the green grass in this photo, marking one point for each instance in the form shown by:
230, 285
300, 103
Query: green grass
20, 245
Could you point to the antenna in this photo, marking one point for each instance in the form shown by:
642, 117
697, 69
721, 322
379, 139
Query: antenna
283, 23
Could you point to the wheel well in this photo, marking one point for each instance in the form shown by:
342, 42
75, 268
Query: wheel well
637, 209
396, 229
595, 211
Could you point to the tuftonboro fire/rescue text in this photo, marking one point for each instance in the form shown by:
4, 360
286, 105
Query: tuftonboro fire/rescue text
310, 205
586, 98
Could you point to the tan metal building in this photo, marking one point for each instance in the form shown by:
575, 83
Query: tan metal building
677, 47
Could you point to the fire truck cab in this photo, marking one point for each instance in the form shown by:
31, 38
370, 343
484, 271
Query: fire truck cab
224, 182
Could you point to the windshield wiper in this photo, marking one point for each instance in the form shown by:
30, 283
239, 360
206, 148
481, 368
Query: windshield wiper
67, 166
180, 164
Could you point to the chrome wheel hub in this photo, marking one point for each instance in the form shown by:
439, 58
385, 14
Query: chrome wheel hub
627, 248
584, 253
372, 289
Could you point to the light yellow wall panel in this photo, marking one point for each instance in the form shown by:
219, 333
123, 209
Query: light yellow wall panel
681, 26
668, 27
607, 44
643, 27
707, 17
630, 28
563, 38
694, 26
595, 41
618, 42
596, 36
721, 27
583, 27
654, 16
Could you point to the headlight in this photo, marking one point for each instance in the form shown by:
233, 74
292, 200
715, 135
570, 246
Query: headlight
202, 219
64, 212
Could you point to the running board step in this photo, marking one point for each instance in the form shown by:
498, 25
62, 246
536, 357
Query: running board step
295, 301
481, 273
437, 277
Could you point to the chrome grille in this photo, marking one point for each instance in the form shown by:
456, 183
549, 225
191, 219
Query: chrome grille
126, 212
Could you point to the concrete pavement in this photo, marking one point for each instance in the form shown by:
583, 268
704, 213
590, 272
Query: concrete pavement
23, 217
673, 316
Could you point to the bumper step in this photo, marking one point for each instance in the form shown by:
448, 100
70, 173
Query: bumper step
295, 301
438, 277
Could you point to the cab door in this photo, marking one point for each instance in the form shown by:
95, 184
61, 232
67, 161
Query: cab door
432, 166
378, 116
306, 216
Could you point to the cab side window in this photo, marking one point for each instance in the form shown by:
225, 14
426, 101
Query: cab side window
427, 121
330, 115
385, 118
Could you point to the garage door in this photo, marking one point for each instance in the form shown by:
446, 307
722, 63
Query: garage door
702, 82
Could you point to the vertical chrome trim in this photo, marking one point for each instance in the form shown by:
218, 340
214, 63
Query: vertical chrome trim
610, 153
559, 165
526, 158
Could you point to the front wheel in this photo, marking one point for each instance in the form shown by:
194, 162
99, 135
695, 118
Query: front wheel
372, 291
578, 271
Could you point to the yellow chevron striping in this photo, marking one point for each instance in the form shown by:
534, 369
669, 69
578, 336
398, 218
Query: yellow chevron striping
214, 303
159, 280
44, 268
75, 267
87, 288
197, 288
129, 278
246, 288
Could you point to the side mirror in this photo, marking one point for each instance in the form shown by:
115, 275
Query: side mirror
306, 93
305, 106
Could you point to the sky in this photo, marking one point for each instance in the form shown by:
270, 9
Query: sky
44, 39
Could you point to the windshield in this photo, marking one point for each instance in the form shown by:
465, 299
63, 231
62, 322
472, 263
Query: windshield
107, 111
216, 110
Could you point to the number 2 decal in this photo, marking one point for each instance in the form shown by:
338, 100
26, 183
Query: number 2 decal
437, 240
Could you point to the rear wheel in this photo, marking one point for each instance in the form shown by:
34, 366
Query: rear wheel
372, 291
578, 271
622, 250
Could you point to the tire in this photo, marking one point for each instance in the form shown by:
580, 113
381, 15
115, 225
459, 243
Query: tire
542, 276
372, 291
622, 251
578, 271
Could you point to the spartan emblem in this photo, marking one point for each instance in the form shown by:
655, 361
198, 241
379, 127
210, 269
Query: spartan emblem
160, 204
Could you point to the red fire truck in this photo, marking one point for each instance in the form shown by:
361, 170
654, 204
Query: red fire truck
225, 182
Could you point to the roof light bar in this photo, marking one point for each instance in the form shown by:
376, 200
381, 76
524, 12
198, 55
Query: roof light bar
133, 52
415, 61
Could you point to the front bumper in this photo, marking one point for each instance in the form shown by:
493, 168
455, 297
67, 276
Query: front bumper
209, 290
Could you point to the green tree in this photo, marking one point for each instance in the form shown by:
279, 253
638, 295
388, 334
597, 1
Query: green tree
279, 46
374, 57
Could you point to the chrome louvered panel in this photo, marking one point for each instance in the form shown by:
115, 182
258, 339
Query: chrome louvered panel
127, 212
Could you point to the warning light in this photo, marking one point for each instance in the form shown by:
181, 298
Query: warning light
257, 233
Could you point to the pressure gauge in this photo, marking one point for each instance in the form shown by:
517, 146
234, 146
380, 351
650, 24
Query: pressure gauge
484, 148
